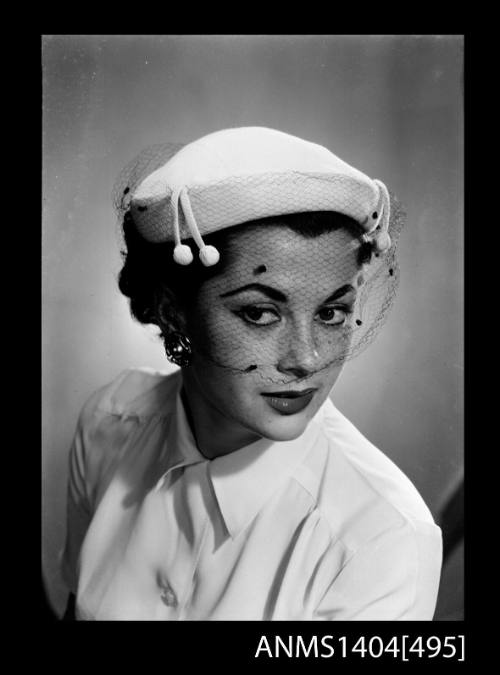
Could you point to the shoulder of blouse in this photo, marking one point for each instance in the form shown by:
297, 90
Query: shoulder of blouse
135, 392
111, 416
357, 489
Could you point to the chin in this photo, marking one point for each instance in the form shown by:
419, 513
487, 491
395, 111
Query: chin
287, 428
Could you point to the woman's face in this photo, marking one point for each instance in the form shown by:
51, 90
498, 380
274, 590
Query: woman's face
274, 322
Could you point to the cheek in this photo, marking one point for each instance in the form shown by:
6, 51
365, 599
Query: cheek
223, 385
332, 376
237, 397
221, 336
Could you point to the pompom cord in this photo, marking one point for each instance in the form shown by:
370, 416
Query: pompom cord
209, 255
183, 254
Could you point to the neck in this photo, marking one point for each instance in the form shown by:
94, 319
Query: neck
214, 433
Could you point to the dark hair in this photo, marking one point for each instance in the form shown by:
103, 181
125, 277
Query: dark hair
159, 288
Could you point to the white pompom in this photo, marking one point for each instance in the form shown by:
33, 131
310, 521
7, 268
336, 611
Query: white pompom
183, 254
209, 255
382, 242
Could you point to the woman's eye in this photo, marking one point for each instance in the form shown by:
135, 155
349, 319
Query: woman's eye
259, 315
333, 316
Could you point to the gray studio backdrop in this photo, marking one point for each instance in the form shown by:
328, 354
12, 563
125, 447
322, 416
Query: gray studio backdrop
389, 105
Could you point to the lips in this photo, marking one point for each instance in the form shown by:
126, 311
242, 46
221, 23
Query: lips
289, 394
290, 402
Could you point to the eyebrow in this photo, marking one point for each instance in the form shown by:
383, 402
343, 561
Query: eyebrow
281, 297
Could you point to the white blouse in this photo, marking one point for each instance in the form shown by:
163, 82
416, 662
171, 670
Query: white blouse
324, 527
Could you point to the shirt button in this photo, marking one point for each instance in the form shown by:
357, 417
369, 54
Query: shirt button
167, 595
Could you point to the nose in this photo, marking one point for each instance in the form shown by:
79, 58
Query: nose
299, 355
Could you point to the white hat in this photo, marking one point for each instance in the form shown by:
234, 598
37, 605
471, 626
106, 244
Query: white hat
237, 175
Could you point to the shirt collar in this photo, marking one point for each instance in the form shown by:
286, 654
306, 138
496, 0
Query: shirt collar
244, 480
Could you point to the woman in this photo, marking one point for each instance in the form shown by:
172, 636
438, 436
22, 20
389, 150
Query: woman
233, 488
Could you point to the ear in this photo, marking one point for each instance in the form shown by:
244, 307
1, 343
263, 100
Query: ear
171, 317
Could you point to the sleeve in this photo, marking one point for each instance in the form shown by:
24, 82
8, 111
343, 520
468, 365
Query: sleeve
78, 503
99, 438
394, 576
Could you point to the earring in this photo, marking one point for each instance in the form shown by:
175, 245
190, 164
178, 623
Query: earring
178, 349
